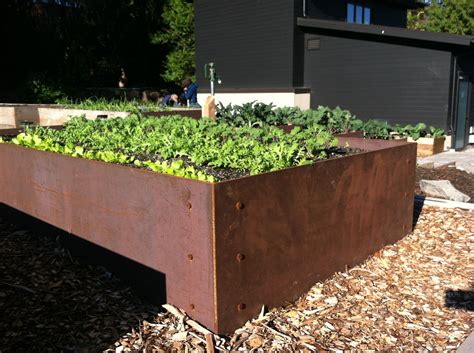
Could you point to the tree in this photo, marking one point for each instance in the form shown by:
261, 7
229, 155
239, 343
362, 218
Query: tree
452, 16
178, 35
77, 46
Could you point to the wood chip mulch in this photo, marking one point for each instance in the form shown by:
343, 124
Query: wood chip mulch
51, 303
415, 294
461, 180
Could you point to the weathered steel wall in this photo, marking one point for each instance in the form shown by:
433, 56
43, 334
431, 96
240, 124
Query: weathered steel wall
191, 113
160, 221
226, 248
279, 233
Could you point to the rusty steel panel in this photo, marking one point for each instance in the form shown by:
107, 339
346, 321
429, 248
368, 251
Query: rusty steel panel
367, 144
279, 233
15, 131
226, 248
190, 113
160, 221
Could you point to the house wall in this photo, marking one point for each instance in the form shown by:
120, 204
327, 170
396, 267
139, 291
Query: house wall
396, 83
381, 13
249, 41
278, 99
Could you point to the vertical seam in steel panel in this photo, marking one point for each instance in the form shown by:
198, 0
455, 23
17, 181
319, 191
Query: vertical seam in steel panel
214, 258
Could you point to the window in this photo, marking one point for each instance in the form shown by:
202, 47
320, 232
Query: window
358, 14
350, 13
367, 15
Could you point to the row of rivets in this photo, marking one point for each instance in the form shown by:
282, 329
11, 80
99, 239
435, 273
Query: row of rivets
240, 257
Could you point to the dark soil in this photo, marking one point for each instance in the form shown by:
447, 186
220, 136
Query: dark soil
223, 174
461, 180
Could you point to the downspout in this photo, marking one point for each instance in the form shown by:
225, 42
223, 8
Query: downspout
305, 13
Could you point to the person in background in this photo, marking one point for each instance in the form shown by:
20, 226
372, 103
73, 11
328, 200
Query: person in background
169, 100
190, 92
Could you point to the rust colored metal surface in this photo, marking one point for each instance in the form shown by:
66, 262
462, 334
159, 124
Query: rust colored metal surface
226, 248
279, 233
160, 221
191, 113
10, 132
359, 134
17, 130
367, 144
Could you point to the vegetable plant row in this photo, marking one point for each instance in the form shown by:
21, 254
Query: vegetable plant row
335, 120
113, 105
198, 149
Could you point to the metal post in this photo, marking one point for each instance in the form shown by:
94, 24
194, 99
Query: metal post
210, 73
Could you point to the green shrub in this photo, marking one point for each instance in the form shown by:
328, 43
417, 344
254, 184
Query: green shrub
335, 120
114, 105
44, 92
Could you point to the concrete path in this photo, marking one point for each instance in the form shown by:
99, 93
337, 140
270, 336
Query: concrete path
463, 160
468, 345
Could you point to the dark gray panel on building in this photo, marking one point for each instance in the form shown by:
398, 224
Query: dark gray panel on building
388, 15
250, 41
327, 9
375, 80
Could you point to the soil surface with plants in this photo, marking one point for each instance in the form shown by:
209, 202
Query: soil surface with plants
461, 180
414, 295
198, 149
113, 105
336, 120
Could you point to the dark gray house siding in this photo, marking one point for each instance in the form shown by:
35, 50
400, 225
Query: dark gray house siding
249, 41
396, 83
381, 71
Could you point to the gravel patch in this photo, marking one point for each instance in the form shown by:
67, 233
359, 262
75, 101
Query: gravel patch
461, 180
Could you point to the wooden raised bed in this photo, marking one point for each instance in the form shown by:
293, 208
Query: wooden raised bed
12, 115
427, 146
225, 248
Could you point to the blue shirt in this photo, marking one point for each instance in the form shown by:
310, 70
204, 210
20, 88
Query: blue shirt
191, 93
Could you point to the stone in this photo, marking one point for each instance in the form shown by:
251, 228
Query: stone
428, 165
442, 189
467, 167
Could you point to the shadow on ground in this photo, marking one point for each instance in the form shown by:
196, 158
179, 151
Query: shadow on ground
54, 296
417, 208
460, 299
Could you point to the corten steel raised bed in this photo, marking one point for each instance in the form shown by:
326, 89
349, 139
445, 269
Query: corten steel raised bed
191, 113
225, 248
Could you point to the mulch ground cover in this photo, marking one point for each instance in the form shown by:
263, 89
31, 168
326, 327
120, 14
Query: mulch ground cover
461, 180
49, 302
415, 294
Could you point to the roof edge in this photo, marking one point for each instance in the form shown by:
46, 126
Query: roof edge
386, 31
